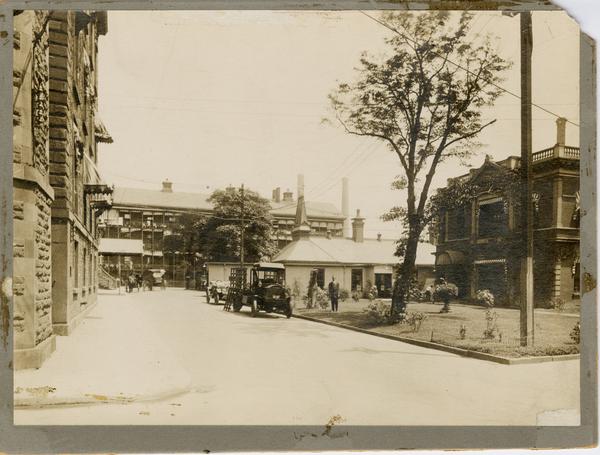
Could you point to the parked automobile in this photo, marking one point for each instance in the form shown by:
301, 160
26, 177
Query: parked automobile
217, 291
154, 277
265, 291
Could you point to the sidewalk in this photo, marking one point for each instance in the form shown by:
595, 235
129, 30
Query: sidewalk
114, 356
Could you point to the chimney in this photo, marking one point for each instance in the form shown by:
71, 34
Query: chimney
302, 228
379, 236
561, 131
346, 207
277, 194
300, 189
288, 196
358, 228
167, 187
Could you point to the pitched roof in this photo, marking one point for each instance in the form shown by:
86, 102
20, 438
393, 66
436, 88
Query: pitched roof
140, 197
346, 251
163, 199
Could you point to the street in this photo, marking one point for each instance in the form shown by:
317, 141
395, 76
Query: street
240, 370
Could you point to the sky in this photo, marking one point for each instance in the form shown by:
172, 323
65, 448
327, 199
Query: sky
208, 99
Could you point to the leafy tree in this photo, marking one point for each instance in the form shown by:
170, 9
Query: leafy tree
221, 235
424, 107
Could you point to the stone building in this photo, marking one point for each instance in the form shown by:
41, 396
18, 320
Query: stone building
57, 189
478, 246
32, 193
355, 262
149, 215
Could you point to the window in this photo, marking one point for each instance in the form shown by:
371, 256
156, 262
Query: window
321, 278
76, 264
457, 221
357, 280
493, 219
85, 268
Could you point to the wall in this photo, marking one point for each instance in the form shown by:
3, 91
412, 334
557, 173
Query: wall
32, 196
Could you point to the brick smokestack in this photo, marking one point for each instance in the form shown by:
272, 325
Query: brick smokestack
167, 187
358, 228
300, 189
561, 131
346, 207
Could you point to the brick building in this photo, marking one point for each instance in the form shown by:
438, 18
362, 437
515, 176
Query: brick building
57, 190
147, 216
478, 246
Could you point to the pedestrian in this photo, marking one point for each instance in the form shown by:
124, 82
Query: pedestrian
334, 294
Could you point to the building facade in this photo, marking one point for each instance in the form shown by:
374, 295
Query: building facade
357, 263
479, 245
57, 190
148, 216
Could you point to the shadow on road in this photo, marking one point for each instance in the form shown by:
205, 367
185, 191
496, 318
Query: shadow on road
381, 351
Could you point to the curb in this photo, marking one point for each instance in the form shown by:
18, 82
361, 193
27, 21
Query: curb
450, 349
94, 399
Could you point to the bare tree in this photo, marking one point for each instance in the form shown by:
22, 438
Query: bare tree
424, 101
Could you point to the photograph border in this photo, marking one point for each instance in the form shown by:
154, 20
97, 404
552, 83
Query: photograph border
168, 438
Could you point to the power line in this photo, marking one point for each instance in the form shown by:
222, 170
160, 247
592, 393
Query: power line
505, 90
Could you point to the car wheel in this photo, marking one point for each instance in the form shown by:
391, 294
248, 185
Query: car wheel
254, 308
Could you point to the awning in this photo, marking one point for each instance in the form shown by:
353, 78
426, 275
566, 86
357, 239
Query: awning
450, 257
489, 261
121, 246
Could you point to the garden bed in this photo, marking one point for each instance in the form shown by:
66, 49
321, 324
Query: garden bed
552, 329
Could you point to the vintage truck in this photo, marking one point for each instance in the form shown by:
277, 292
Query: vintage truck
265, 289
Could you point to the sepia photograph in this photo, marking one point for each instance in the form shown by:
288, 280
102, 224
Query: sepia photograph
297, 217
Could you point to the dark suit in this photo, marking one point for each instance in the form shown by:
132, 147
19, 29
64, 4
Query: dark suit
334, 293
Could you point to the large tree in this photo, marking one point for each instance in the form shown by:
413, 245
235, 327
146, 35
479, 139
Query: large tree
423, 100
232, 209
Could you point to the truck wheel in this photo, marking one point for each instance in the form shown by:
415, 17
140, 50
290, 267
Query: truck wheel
254, 309
237, 306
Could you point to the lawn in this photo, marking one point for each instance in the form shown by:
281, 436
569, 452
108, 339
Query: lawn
552, 328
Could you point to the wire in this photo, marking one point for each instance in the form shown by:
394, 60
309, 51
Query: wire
505, 90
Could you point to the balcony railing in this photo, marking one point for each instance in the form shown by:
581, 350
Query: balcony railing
558, 151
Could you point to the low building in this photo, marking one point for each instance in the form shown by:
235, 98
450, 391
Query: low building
479, 245
356, 262
151, 215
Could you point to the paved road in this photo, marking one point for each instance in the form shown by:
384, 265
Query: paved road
271, 370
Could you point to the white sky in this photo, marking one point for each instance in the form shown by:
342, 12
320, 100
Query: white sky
208, 99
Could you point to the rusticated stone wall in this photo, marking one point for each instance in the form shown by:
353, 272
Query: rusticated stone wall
43, 269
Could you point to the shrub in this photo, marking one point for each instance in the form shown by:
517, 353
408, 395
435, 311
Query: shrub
558, 304
576, 333
321, 298
344, 295
356, 295
491, 330
377, 313
485, 298
445, 292
462, 332
414, 320
370, 291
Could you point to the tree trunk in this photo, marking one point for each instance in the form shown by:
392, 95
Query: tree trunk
405, 276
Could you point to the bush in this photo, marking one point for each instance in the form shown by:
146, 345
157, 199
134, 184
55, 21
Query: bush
576, 333
356, 295
462, 332
414, 320
485, 298
344, 295
445, 292
370, 291
377, 313
491, 331
321, 298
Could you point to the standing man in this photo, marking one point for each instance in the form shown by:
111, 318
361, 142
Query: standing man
334, 293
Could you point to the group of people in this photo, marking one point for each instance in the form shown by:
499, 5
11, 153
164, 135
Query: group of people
134, 280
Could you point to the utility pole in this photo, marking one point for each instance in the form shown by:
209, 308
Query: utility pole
242, 227
526, 320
